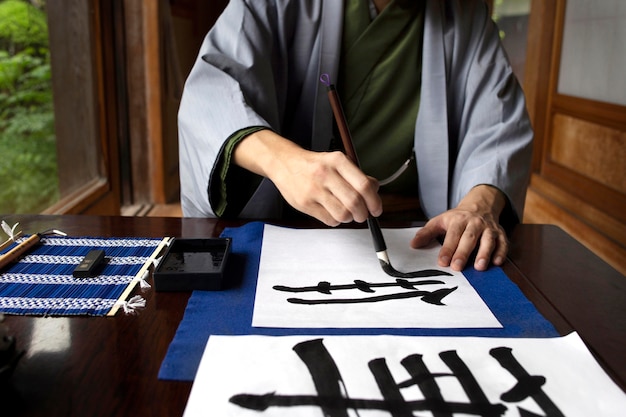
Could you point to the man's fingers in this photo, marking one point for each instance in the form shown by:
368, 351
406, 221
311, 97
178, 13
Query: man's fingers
463, 236
457, 246
493, 246
488, 243
501, 249
359, 192
427, 234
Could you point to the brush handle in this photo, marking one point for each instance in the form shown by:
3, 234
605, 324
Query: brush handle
342, 124
377, 234
348, 145
19, 250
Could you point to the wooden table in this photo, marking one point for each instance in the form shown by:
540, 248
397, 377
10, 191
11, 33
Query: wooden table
105, 366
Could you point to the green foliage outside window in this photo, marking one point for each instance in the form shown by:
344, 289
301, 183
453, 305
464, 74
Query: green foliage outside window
28, 170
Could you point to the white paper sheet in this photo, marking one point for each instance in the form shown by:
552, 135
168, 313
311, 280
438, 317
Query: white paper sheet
348, 375
304, 258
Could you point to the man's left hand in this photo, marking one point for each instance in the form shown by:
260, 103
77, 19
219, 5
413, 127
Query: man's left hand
472, 224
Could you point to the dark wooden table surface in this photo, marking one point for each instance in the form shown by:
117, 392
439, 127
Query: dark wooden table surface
108, 366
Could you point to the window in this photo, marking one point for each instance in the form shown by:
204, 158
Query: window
593, 52
58, 124
511, 17
28, 166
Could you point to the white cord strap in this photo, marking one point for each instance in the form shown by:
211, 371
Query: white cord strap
399, 172
131, 306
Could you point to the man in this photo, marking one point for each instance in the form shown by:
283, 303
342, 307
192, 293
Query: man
427, 77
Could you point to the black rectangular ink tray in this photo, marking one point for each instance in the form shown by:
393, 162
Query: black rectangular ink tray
193, 264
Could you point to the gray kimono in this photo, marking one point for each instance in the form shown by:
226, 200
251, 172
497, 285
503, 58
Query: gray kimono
260, 66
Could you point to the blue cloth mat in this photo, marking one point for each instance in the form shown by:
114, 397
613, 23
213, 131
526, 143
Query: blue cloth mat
41, 282
229, 312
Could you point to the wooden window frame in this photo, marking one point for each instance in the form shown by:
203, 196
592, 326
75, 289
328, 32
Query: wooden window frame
85, 101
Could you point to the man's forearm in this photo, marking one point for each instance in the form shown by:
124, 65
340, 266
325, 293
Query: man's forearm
261, 152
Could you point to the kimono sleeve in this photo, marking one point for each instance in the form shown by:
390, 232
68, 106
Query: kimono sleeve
492, 134
232, 85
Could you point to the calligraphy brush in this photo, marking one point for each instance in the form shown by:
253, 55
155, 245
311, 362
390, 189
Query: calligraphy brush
23, 247
372, 222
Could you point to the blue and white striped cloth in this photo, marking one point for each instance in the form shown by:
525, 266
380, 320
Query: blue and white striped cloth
41, 282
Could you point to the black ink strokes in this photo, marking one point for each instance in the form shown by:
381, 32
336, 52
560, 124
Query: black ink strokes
431, 297
391, 271
435, 297
326, 287
528, 386
332, 398
412, 291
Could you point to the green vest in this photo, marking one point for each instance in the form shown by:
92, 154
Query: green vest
379, 86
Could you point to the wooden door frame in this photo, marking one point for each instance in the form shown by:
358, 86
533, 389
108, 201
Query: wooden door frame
544, 101
592, 212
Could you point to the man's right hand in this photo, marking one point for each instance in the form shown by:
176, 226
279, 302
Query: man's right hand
325, 185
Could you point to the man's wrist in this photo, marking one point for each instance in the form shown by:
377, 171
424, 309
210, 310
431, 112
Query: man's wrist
258, 151
486, 199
